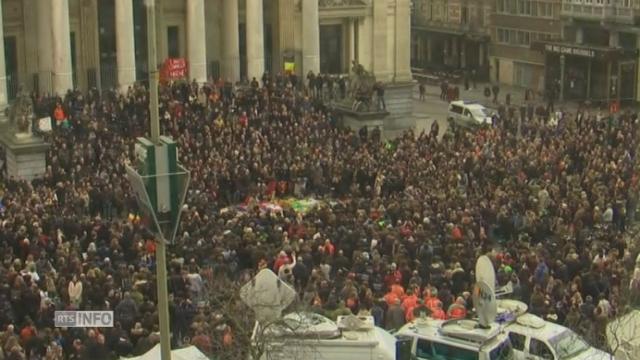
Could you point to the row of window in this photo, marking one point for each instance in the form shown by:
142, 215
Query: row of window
521, 37
537, 8
621, 3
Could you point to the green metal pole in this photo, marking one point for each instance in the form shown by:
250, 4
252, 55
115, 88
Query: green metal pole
153, 71
161, 248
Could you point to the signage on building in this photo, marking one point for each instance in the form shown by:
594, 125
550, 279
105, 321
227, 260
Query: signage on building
174, 69
454, 14
570, 50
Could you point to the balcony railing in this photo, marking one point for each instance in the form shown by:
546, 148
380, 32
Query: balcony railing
600, 12
340, 3
338, 9
467, 27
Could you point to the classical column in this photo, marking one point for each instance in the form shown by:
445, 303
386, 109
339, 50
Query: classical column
310, 37
255, 39
61, 39
402, 69
352, 40
379, 47
285, 36
356, 40
45, 49
231, 46
196, 41
3, 72
429, 42
125, 44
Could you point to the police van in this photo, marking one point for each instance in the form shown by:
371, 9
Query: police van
468, 114
533, 338
457, 340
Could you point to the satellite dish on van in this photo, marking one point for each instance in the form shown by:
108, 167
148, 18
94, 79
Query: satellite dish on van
484, 296
267, 295
485, 272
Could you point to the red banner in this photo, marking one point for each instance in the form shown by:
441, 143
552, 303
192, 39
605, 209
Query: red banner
174, 69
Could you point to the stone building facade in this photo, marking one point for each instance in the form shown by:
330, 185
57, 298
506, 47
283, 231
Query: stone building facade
452, 35
54, 45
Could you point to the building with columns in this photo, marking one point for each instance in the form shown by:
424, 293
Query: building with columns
54, 45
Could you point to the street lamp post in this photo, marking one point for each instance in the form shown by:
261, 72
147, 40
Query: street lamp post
161, 248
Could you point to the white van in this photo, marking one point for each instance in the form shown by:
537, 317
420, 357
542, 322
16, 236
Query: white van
311, 336
468, 114
533, 338
456, 340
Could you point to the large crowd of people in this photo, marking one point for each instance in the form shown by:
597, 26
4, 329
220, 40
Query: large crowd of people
395, 228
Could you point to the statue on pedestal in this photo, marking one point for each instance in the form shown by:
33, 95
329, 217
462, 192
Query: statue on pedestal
21, 115
361, 83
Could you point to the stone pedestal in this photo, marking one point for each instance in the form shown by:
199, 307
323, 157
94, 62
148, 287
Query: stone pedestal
26, 155
396, 119
359, 119
399, 100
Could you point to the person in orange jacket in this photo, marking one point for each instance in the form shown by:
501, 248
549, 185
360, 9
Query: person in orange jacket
398, 290
458, 309
409, 303
431, 299
438, 313
390, 298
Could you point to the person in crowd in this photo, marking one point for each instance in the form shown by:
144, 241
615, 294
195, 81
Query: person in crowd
392, 219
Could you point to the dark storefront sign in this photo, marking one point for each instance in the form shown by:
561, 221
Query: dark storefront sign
590, 52
570, 50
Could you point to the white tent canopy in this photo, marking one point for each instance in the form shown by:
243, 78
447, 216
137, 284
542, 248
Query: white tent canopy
622, 335
188, 353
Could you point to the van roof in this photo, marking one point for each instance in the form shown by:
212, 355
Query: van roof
462, 332
467, 103
535, 326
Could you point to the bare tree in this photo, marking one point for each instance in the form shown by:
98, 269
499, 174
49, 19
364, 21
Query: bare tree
236, 334
622, 333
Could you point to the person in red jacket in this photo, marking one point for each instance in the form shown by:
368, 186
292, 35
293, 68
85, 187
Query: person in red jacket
431, 299
457, 310
409, 303
390, 298
281, 260
398, 290
329, 248
438, 313
58, 114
